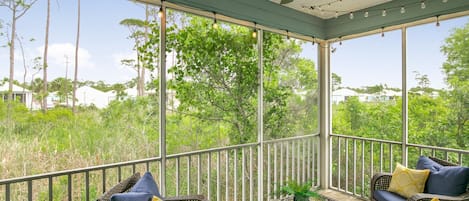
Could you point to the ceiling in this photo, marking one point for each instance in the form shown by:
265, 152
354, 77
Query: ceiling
327, 9
296, 17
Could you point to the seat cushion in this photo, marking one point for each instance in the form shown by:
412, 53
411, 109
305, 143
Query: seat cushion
381, 195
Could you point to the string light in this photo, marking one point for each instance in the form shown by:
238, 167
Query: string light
382, 31
312, 42
324, 9
254, 31
215, 24
340, 40
160, 12
437, 20
288, 35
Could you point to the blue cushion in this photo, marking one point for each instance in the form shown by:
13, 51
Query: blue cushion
450, 180
427, 163
132, 196
444, 180
146, 184
381, 195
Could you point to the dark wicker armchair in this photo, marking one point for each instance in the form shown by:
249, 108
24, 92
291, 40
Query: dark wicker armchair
381, 181
125, 185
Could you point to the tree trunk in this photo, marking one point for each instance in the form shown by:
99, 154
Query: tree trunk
75, 77
46, 46
12, 65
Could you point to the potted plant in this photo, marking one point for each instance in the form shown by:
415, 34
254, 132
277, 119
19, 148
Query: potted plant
300, 192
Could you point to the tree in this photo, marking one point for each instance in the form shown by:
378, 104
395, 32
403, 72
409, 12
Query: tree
456, 69
45, 64
75, 75
336, 81
18, 9
135, 26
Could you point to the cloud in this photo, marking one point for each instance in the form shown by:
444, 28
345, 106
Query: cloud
58, 51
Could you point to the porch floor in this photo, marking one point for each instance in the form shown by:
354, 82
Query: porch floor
336, 195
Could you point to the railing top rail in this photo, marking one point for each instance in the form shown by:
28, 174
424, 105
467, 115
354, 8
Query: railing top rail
76, 171
367, 139
290, 138
211, 150
439, 148
400, 143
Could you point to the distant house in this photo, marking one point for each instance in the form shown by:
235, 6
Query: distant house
340, 95
88, 96
19, 93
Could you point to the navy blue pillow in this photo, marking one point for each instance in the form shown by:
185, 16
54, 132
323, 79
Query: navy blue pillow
427, 163
146, 184
444, 180
449, 180
132, 196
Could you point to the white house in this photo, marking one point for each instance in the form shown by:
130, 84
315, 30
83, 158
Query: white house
19, 93
341, 95
87, 96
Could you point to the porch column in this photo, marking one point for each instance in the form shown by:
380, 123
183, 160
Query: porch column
324, 113
162, 100
404, 97
260, 117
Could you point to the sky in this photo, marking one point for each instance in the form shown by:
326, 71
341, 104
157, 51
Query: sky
103, 42
364, 61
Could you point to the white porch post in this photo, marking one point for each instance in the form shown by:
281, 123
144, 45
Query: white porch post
162, 85
260, 117
404, 97
324, 113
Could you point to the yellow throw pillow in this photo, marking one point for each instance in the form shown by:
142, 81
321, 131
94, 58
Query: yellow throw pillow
156, 199
407, 182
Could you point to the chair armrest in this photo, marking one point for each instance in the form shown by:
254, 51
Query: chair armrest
186, 198
427, 196
380, 181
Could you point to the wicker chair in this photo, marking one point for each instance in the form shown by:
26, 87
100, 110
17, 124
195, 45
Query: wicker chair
126, 185
381, 181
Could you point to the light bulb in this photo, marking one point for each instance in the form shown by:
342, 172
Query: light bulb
254, 33
351, 16
366, 14
422, 5
160, 12
384, 13
445, 1
336, 14
215, 24
402, 9
382, 32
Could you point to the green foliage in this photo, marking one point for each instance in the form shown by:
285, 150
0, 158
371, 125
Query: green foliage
301, 192
456, 69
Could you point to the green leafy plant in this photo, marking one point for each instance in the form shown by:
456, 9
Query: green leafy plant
299, 191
